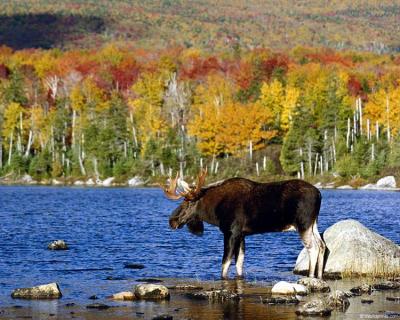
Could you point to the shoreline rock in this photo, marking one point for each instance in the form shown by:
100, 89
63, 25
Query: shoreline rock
314, 284
353, 249
45, 291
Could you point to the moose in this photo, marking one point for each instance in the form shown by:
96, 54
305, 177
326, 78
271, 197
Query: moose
242, 207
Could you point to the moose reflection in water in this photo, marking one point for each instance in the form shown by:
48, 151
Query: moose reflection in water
241, 207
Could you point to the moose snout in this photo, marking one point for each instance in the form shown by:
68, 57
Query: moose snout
175, 224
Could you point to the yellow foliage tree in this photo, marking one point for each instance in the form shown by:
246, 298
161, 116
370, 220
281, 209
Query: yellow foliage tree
383, 107
146, 107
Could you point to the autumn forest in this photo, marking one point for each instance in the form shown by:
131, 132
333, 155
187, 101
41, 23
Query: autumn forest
121, 109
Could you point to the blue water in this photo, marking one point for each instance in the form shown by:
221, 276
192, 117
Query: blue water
106, 228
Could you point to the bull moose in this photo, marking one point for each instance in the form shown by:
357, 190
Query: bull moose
241, 207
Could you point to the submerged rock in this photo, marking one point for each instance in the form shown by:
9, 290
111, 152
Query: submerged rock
125, 296
45, 291
281, 300
367, 301
283, 287
149, 280
185, 287
386, 285
395, 299
163, 317
316, 307
314, 284
133, 266
354, 249
338, 300
214, 295
151, 292
359, 290
57, 245
99, 306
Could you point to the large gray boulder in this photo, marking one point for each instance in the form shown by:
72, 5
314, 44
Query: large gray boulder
45, 291
353, 249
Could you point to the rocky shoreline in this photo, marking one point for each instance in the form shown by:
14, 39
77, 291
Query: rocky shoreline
384, 184
234, 299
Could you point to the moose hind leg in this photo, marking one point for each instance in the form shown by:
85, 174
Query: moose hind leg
321, 252
228, 253
312, 247
239, 256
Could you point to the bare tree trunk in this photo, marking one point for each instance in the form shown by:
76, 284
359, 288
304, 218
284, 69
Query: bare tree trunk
133, 130
387, 119
10, 147
73, 128
28, 147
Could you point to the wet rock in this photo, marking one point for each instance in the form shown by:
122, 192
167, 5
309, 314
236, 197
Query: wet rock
151, 292
367, 301
57, 245
283, 287
45, 291
354, 249
123, 296
314, 284
185, 287
149, 280
316, 307
133, 266
99, 306
338, 300
93, 297
163, 317
395, 299
281, 300
214, 295
386, 285
364, 288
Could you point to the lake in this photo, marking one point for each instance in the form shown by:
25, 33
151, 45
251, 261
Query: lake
106, 228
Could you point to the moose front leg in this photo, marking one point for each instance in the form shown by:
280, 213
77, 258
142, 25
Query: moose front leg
231, 246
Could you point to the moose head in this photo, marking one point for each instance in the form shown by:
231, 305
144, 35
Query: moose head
188, 211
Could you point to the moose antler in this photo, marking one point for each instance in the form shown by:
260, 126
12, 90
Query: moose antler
189, 193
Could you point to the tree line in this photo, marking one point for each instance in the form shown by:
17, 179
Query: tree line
122, 111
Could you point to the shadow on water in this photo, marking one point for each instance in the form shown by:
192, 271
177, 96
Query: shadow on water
46, 30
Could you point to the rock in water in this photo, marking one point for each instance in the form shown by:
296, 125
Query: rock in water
45, 291
354, 249
125, 295
317, 307
214, 295
338, 300
283, 287
151, 292
314, 284
57, 245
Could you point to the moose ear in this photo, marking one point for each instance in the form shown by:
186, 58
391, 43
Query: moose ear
196, 226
